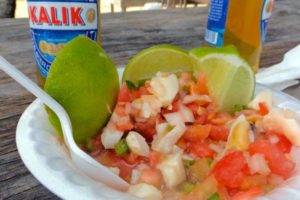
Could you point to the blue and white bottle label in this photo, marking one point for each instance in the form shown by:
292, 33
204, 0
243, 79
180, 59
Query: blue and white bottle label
265, 16
214, 32
54, 23
216, 22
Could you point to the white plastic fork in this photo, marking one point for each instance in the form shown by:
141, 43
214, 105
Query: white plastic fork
82, 160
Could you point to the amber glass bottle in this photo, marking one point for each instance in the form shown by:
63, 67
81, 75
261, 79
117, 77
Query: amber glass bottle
242, 23
55, 22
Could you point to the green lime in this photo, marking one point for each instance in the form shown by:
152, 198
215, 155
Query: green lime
230, 79
84, 80
164, 58
206, 50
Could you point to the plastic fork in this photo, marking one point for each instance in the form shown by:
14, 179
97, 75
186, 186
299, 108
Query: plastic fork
81, 159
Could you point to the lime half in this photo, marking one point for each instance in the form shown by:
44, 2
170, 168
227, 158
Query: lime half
229, 78
164, 58
84, 80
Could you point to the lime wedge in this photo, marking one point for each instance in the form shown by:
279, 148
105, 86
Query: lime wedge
230, 79
164, 58
206, 50
84, 80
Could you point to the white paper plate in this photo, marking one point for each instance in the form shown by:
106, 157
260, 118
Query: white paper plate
49, 162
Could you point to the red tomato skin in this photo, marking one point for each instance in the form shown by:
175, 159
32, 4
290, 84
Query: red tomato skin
151, 176
120, 109
200, 87
124, 95
229, 171
127, 95
263, 108
109, 158
202, 79
175, 108
283, 144
125, 169
131, 158
146, 129
201, 119
155, 158
200, 149
219, 133
277, 161
193, 107
143, 91
124, 127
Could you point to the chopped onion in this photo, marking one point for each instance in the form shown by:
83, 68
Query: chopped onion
135, 175
273, 139
203, 99
258, 164
110, 136
174, 118
186, 114
215, 147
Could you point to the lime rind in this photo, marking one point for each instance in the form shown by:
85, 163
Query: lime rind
84, 80
164, 58
206, 50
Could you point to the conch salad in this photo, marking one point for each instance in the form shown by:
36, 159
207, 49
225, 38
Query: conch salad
168, 139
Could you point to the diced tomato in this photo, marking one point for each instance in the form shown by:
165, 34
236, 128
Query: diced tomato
274, 180
252, 181
232, 191
110, 159
283, 143
181, 143
160, 119
137, 93
124, 127
120, 109
175, 108
229, 171
263, 108
201, 119
155, 158
151, 176
124, 95
221, 119
277, 161
147, 129
223, 192
219, 133
249, 194
200, 149
143, 91
105, 158
202, 80
200, 87
127, 95
193, 107
196, 132
132, 158
125, 169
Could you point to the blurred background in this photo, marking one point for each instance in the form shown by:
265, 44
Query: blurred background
18, 8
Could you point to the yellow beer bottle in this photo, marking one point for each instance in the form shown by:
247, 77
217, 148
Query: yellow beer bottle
242, 23
53, 23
